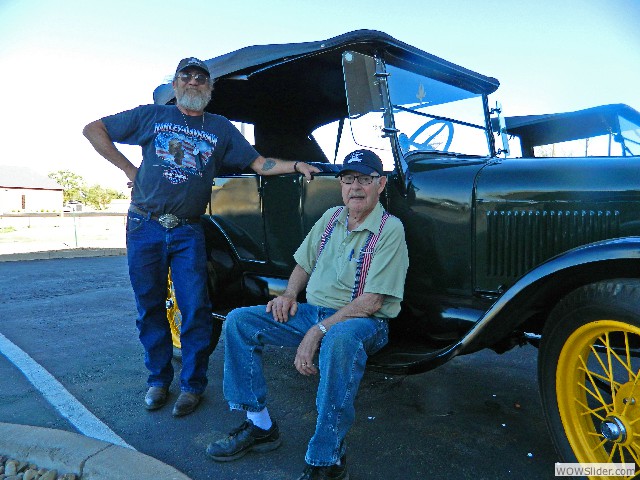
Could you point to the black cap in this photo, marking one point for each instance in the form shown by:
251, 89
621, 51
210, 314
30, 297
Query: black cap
192, 62
362, 161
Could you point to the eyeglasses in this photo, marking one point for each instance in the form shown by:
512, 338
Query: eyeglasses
362, 179
200, 78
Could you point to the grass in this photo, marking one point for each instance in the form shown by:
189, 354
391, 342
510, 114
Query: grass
7, 229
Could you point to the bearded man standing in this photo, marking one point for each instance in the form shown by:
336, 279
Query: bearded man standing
182, 149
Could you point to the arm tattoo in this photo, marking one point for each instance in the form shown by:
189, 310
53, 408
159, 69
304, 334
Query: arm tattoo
268, 164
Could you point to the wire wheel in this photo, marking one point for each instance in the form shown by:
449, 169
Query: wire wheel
173, 316
598, 391
589, 373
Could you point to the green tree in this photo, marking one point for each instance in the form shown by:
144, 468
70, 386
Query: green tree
117, 194
75, 189
99, 197
71, 183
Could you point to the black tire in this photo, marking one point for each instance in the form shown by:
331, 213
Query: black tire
589, 373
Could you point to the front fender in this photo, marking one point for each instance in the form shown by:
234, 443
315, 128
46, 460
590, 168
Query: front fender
535, 293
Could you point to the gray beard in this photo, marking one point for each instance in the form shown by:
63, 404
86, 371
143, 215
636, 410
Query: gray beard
192, 100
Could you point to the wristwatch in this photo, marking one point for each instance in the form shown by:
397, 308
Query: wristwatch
322, 328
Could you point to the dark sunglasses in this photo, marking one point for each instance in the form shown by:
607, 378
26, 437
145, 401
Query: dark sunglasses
200, 78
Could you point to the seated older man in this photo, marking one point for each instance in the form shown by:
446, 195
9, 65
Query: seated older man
353, 265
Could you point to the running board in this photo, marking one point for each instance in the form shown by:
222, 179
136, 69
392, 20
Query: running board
410, 359
402, 358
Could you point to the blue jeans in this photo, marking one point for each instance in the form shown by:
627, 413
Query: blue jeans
151, 250
342, 360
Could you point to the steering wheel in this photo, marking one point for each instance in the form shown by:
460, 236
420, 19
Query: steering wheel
444, 124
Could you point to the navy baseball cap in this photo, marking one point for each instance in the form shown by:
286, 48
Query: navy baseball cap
362, 161
192, 62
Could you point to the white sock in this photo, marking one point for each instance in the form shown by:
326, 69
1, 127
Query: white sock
260, 419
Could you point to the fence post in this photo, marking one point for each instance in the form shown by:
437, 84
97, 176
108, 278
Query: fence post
75, 230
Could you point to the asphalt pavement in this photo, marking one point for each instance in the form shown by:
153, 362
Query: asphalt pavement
478, 416
61, 450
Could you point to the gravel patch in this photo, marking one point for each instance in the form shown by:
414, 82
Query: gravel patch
12, 469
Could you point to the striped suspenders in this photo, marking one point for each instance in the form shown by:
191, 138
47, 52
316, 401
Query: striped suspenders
328, 230
364, 262
366, 253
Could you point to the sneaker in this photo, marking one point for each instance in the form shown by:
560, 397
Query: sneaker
334, 472
244, 439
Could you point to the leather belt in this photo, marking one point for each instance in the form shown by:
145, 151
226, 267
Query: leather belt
167, 220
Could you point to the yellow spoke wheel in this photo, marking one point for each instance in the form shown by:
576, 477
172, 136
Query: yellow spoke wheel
173, 316
589, 372
598, 391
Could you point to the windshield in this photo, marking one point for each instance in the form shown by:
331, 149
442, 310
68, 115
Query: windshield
426, 114
435, 116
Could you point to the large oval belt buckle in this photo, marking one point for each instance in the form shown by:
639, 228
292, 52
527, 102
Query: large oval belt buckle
168, 220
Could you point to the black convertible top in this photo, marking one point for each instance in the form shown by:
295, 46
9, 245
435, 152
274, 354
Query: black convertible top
535, 130
300, 85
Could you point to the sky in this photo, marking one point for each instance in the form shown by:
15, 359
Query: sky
65, 63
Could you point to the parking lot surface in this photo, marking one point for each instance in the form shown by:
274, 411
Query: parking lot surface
478, 416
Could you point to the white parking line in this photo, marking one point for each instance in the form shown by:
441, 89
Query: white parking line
53, 391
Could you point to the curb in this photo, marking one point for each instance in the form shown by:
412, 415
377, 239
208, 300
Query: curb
70, 452
67, 253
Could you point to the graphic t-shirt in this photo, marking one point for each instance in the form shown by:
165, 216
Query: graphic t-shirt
181, 155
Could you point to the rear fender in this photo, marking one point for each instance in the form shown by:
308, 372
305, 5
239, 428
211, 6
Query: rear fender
223, 266
216, 237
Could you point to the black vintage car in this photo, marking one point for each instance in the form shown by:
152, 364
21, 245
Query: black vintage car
502, 251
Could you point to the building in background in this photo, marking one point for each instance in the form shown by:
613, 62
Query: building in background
23, 190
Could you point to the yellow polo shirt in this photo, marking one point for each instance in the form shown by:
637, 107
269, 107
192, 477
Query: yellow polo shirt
333, 278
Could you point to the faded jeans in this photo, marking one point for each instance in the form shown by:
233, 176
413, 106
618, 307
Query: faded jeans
151, 250
342, 360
